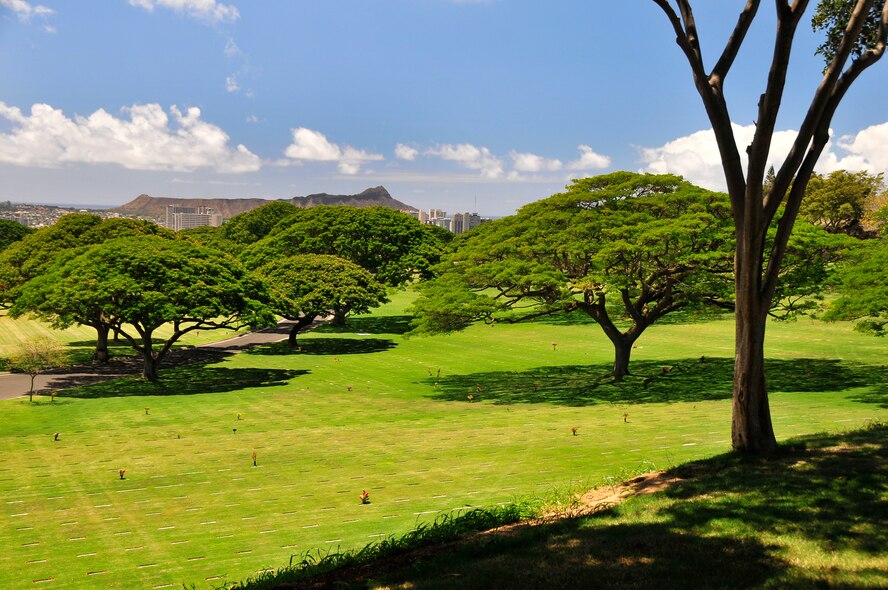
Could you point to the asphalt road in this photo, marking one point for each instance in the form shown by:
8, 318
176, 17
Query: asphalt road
13, 385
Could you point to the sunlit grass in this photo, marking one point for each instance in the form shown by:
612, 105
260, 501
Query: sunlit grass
366, 409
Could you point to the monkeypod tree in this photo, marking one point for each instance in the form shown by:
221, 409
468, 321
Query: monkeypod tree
622, 246
306, 286
863, 289
142, 283
838, 202
856, 32
31, 257
391, 245
12, 231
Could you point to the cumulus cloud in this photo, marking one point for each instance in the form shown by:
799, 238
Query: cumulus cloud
405, 152
471, 157
863, 151
313, 146
24, 10
527, 162
145, 138
589, 160
209, 11
696, 156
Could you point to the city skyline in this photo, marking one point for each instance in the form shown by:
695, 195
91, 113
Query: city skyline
444, 102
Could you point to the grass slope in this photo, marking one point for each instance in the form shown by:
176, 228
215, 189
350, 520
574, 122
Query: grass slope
366, 409
812, 516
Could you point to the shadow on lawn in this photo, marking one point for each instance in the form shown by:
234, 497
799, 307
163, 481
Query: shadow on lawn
326, 346
388, 324
682, 380
710, 531
185, 380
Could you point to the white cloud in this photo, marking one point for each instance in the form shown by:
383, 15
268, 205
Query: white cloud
696, 156
589, 160
231, 49
144, 139
209, 11
471, 157
867, 150
405, 152
252, 119
313, 146
527, 162
24, 10
231, 83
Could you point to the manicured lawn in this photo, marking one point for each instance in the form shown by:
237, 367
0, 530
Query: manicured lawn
366, 409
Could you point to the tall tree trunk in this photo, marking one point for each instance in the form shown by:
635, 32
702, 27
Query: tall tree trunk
622, 352
101, 354
149, 371
339, 317
751, 428
298, 327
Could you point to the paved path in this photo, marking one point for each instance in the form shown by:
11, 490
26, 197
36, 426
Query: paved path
14, 385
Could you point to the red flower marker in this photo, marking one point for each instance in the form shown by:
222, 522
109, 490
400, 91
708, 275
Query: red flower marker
121, 472
573, 430
364, 496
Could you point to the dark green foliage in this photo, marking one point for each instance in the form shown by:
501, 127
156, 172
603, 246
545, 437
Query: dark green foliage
648, 244
250, 227
393, 246
832, 16
138, 284
306, 286
863, 289
12, 231
210, 237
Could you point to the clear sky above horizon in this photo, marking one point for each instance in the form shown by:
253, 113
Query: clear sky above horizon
446, 103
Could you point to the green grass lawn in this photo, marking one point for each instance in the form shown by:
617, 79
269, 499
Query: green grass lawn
366, 409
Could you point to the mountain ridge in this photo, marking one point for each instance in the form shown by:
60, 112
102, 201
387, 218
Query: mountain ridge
148, 206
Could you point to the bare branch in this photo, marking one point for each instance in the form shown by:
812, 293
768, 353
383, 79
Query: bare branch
822, 97
720, 71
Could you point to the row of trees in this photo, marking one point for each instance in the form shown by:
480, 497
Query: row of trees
625, 249
131, 277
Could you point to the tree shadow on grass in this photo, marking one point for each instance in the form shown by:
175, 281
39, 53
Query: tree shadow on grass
389, 324
184, 380
725, 522
680, 380
569, 555
325, 346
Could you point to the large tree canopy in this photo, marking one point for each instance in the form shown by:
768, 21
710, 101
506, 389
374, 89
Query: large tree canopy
142, 283
37, 252
393, 246
12, 231
306, 286
863, 289
837, 202
623, 246
250, 227
856, 33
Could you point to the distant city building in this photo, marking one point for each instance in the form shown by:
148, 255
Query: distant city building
463, 222
178, 218
458, 223
437, 214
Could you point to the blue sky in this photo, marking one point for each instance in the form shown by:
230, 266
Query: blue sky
446, 103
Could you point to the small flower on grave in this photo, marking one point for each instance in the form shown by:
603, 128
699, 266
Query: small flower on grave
146, 410
364, 496
121, 472
470, 397
238, 416
52, 396
625, 416
477, 388
349, 387
56, 436
253, 457
573, 430
234, 430
554, 345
